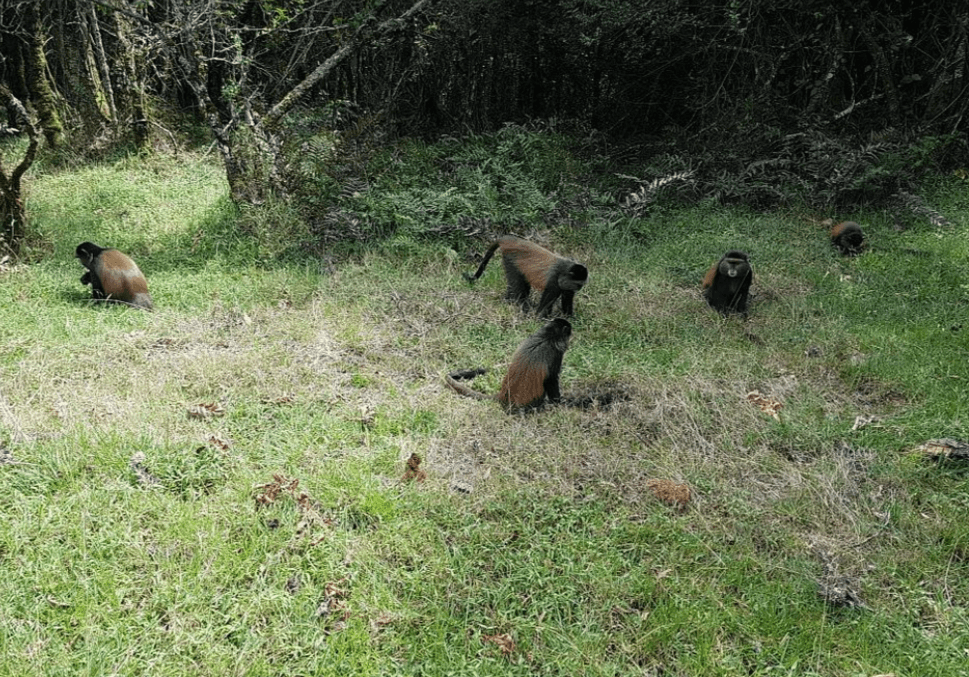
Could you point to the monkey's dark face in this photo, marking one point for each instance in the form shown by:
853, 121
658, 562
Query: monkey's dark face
558, 332
86, 253
575, 278
735, 264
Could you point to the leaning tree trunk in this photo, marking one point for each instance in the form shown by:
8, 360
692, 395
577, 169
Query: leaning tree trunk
13, 216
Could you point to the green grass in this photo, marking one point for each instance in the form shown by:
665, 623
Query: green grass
138, 540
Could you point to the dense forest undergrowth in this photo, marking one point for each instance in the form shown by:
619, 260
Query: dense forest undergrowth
220, 486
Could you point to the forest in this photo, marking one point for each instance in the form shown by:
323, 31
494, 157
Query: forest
251, 460
761, 103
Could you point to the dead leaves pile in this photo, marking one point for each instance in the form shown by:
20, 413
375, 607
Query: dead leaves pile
140, 469
503, 641
311, 517
945, 449
334, 610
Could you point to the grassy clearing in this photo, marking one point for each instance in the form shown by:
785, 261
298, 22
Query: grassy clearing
139, 540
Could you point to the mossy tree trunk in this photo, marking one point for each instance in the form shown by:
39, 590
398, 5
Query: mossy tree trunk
13, 216
41, 92
128, 77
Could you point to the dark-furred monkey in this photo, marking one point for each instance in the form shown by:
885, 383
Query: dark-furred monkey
727, 283
848, 238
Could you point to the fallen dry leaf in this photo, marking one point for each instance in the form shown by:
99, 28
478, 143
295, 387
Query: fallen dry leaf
946, 448
218, 443
205, 410
766, 405
502, 641
414, 471
138, 467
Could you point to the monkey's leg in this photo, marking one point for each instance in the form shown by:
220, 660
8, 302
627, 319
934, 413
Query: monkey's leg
518, 287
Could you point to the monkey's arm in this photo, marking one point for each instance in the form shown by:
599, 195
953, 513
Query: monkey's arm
567, 298
552, 388
551, 293
551, 383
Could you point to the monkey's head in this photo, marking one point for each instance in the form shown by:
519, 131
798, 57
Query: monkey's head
735, 264
574, 277
848, 237
557, 333
86, 253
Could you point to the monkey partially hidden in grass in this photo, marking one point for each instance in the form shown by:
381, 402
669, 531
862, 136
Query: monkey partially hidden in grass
848, 238
727, 283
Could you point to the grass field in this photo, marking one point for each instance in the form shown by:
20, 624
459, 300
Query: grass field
217, 487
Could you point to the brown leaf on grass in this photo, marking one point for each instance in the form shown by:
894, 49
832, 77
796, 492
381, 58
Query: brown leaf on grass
862, 421
945, 448
272, 490
502, 641
367, 416
205, 410
414, 471
670, 492
765, 404
382, 620
333, 589
311, 516
835, 587
279, 401
334, 608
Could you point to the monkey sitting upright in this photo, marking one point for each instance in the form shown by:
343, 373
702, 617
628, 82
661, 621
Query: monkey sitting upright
727, 283
848, 238
113, 276
534, 370
528, 265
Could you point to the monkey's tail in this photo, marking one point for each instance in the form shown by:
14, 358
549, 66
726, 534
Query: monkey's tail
452, 380
484, 263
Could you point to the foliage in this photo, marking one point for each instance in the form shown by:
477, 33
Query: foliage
718, 74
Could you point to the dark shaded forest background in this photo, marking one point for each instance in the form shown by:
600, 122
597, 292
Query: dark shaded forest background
760, 102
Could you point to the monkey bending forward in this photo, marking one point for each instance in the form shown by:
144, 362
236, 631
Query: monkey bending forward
113, 276
528, 265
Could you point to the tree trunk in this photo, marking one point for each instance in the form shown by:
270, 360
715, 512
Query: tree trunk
41, 93
13, 216
130, 81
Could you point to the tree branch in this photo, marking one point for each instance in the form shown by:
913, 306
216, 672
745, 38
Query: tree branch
277, 112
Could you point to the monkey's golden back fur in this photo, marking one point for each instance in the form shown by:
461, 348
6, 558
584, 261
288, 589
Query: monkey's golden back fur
534, 262
121, 278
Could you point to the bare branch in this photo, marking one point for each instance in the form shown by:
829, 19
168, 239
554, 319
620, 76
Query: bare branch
284, 105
